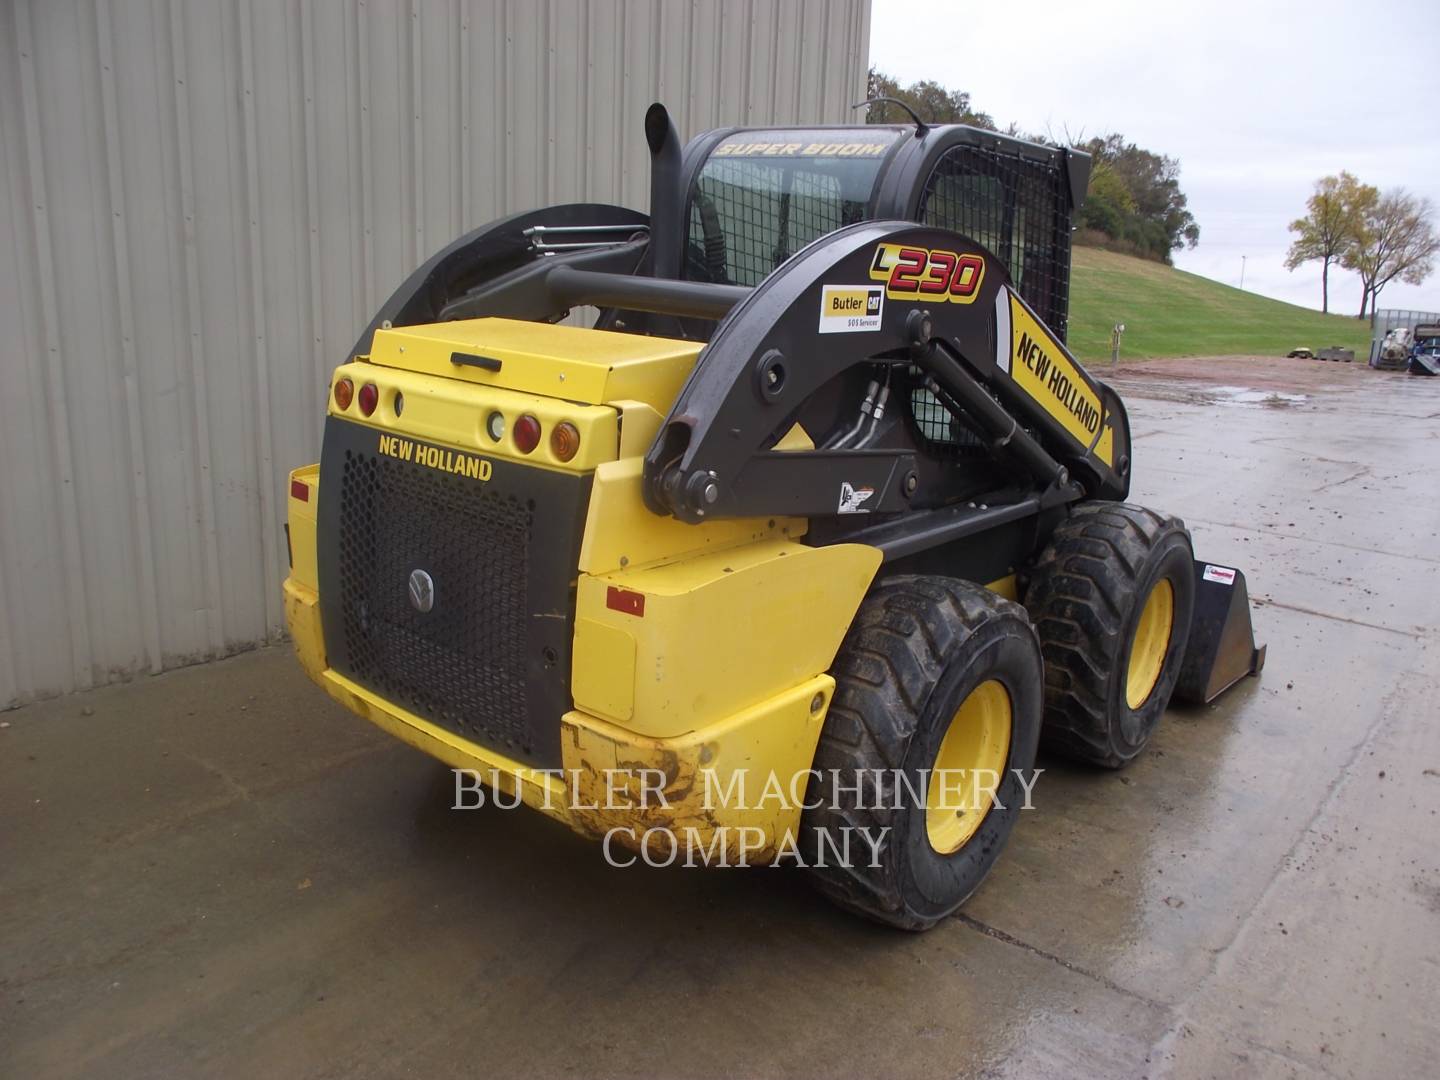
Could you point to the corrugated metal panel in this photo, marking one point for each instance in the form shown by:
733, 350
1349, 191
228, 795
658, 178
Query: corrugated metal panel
204, 201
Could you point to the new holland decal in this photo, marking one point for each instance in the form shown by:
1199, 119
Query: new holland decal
938, 276
1040, 366
435, 457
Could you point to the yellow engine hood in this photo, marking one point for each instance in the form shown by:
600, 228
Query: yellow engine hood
594, 367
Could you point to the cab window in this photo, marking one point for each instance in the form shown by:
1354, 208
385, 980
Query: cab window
1015, 207
761, 196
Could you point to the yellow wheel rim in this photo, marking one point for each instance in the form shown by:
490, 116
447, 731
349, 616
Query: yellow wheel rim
968, 767
1152, 642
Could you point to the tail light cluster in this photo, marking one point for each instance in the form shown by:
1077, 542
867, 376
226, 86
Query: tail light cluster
525, 432
368, 398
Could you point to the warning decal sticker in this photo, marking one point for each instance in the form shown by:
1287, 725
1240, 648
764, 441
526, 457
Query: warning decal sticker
852, 498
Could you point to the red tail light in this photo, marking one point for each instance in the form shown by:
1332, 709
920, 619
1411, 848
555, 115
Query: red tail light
300, 490
369, 397
527, 433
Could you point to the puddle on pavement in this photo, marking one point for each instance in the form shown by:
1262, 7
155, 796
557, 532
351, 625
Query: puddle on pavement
1244, 395
1194, 392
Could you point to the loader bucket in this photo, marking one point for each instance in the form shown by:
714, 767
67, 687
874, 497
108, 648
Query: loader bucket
1222, 649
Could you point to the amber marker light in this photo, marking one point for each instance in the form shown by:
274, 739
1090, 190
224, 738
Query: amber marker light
564, 440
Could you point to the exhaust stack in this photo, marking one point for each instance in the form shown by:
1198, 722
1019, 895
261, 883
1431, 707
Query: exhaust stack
666, 201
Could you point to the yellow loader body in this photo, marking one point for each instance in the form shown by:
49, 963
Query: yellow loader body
696, 685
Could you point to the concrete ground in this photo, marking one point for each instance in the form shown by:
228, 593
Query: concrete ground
218, 873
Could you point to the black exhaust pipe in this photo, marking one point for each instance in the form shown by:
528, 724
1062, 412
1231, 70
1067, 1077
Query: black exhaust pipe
667, 233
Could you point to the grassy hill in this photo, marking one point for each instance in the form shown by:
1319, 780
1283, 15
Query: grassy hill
1168, 312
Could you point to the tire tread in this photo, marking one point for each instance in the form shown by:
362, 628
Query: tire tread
1080, 589
908, 625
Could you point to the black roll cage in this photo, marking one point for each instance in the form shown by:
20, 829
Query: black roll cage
541, 264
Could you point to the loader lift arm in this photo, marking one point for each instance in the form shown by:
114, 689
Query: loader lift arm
714, 456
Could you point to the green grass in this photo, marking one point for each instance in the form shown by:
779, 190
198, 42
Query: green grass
1168, 312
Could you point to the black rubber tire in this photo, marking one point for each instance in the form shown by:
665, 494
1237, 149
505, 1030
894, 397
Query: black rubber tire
1085, 595
917, 647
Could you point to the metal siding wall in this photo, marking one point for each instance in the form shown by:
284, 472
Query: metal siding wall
205, 200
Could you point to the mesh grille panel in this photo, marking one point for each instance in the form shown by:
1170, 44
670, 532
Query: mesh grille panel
463, 663
946, 435
767, 212
1016, 208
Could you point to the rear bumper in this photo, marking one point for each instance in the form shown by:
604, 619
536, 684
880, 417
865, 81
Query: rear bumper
701, 788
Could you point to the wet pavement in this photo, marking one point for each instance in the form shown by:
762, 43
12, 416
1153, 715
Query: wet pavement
216, 872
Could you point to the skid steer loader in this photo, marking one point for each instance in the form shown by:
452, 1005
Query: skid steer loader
816, 528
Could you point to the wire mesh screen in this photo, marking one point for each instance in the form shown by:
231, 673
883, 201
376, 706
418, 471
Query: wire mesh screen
761, 196
946, 435
765, 214
1015, 207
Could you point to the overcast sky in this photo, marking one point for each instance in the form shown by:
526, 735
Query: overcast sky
1256, 99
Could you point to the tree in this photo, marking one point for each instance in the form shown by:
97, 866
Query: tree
1157, 222
1134, 200
1108, 203
1336, 213
931, 102
1395, 239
